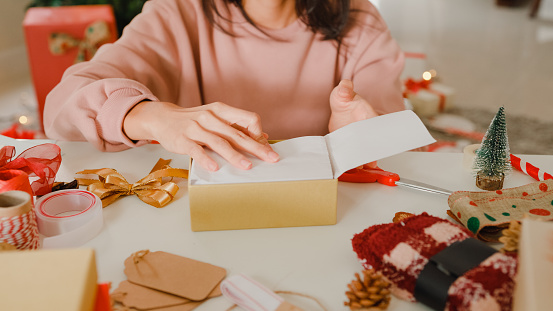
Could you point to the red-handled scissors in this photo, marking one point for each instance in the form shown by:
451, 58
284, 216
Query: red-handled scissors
366, 175
370, 175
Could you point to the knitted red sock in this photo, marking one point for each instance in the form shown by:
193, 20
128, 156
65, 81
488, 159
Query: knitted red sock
400, 251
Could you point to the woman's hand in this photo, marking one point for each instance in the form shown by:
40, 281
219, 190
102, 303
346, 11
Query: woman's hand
226, 130
347, 106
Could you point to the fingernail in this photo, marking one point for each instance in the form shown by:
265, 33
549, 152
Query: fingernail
273, 156
343, 91
246, 164
212, 167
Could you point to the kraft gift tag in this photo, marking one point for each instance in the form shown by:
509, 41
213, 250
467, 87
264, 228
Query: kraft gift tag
144, 298
174, 274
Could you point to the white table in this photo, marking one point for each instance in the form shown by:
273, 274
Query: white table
318, 261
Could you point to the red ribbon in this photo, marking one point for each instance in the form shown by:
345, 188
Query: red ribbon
15, 180
14, 132
413, 86
42, 161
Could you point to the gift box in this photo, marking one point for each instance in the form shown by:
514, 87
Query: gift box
54, 280
533, 287
300, 189
415, 64
57, 37
427, 97
263, 205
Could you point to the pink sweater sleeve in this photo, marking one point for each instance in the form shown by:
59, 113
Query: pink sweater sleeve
376, 61
93, 98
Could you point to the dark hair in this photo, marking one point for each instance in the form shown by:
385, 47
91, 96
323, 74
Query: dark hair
327, 17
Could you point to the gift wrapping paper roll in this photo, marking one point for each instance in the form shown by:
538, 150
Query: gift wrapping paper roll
18, 225
469, 153
68, 218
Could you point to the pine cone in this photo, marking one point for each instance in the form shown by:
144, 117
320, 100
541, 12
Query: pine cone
371, 293
510, 237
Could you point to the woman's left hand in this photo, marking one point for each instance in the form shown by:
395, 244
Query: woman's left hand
347, 106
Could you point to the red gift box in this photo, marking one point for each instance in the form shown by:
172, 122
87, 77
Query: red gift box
58, 37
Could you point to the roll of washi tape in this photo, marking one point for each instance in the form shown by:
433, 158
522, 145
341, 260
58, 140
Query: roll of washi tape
18, 225
68, 218
469, 153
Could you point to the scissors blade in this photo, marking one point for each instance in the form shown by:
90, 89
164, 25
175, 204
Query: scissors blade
422, 186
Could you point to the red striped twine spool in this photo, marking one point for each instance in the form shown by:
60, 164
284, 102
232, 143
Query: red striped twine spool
529, 169
18, 225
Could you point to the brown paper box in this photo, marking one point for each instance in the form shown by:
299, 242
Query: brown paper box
48, 279
263, 205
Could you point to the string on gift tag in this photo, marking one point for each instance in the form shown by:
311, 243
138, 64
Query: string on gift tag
136, 256
252, 296
283, 292
121, 308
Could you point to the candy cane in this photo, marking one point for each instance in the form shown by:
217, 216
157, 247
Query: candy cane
529, 169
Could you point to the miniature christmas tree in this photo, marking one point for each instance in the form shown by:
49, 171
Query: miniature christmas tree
492, 158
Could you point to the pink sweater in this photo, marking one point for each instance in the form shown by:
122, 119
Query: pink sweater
171, 53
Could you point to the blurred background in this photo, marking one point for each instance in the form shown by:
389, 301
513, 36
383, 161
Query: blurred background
484, 53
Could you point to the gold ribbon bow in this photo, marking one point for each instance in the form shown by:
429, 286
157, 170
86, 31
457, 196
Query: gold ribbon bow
150, 189
95, 35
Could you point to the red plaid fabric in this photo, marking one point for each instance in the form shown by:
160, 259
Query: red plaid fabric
401, 250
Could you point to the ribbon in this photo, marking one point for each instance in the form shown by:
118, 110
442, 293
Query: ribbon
413, 86
445, 267
95, 35
150, 189
15, 180
42, 161
14, 132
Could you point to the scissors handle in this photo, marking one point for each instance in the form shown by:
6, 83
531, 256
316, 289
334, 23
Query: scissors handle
362, 175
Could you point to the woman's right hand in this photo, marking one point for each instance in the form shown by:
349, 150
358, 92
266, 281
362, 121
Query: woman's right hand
224, 129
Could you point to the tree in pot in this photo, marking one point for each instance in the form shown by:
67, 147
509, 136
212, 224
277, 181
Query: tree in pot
493, 157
